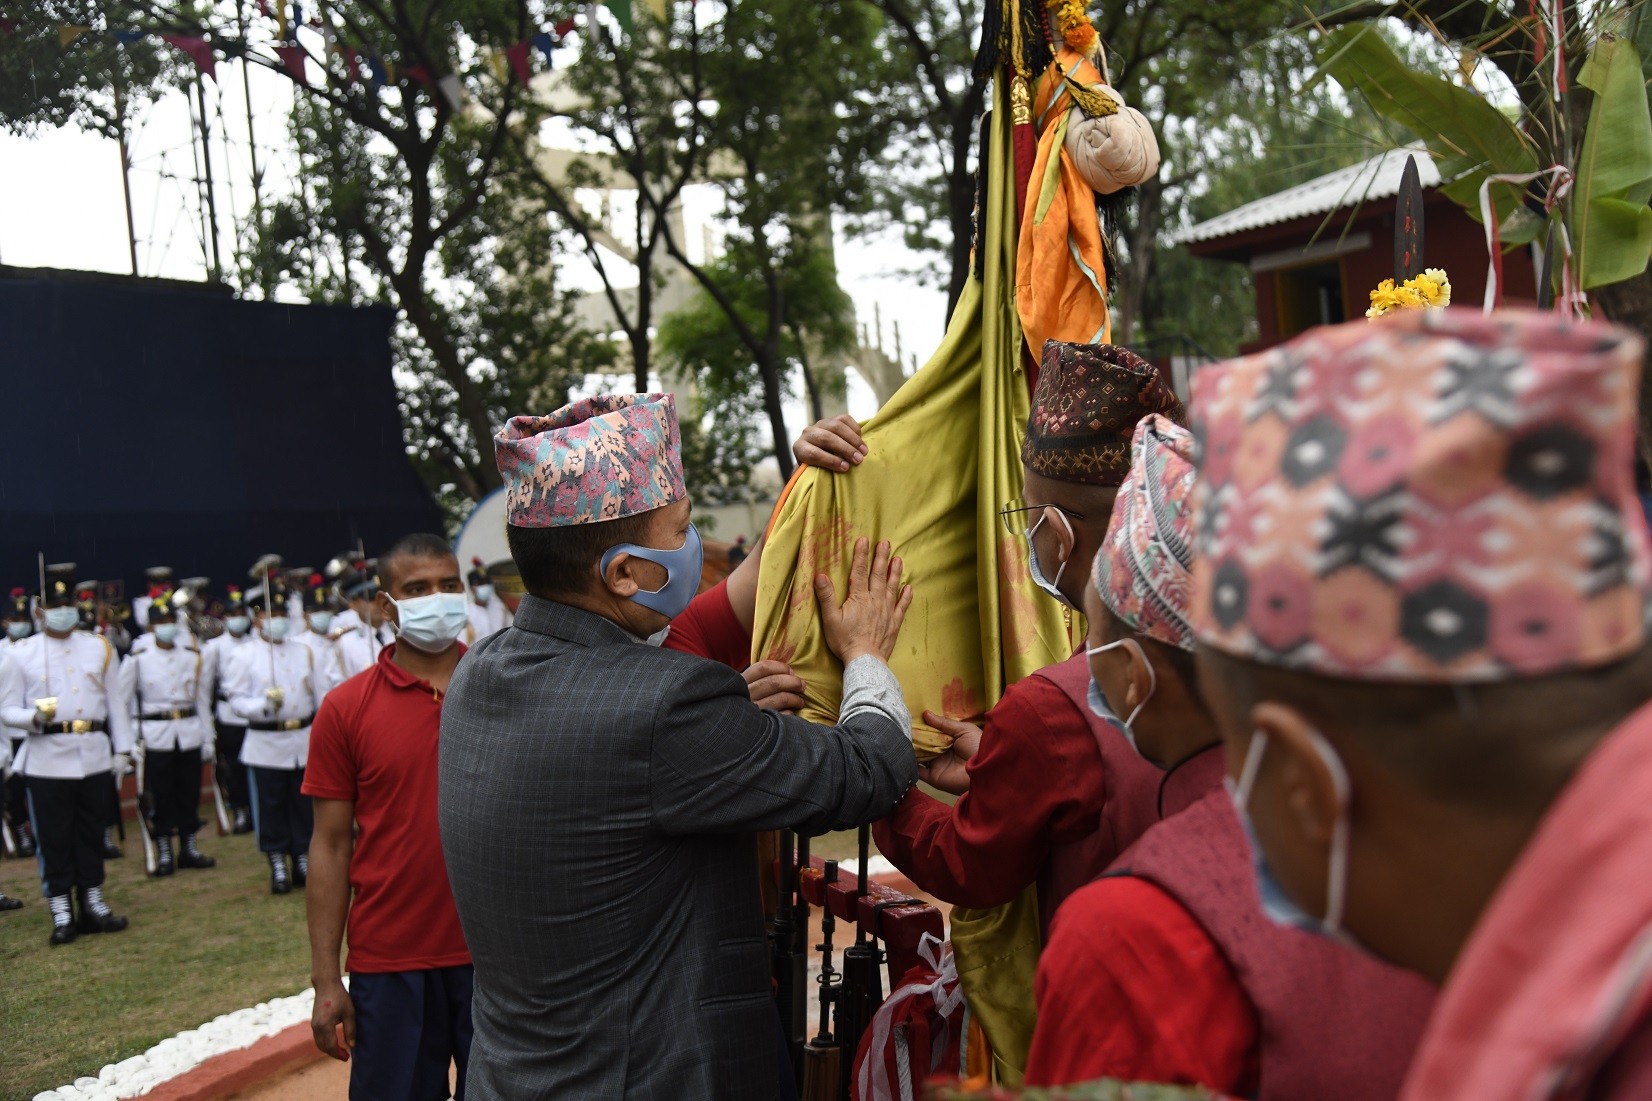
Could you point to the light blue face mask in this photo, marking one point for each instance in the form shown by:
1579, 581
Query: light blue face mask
1105, 710
275, 628
682, 573
1033, 566
321, 622
17, 629
484, 593
166, 633
62, 619
238, 625
1277, 903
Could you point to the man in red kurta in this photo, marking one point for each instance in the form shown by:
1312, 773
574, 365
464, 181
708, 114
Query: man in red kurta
1421, 593
1166, 969
1053, 793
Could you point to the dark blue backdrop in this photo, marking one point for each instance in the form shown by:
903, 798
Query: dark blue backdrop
153, 424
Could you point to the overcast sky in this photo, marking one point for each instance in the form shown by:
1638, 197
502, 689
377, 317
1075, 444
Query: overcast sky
61, 206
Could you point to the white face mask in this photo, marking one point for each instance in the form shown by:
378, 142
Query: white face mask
1152, 687
62, 619
166, 633
238, 625
431, 623
484, 593
1034, 567
321, 622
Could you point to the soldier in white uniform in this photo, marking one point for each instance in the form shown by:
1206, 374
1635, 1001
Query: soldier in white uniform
487, 611
272, 684
318, 625
164, 691
230, 727
160, 581
68, 705
19, 621
366, 632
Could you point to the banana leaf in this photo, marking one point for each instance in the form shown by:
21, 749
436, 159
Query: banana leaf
1613, 223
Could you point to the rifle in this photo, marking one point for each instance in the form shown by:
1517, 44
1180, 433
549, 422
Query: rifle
823, 1063
146, 801
790, 970
862, 984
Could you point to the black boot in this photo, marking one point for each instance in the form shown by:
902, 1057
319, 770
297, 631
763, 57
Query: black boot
63, 920
190, 855
95, 915
9, 903
25, 840
301, 870
164, 864
111, 851
243, 821
279, 883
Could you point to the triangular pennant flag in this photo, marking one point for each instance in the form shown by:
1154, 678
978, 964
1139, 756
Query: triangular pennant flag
496, 62
298, 20
452, 90
375, 71
622, 14
68, 32
9, 26
352, 73
542, 43
565, 27
264, 8
197, 48
292, 59
517, 55
658, 8
127, 37
418, 73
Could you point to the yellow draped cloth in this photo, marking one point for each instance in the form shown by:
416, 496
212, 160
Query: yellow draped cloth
944, 458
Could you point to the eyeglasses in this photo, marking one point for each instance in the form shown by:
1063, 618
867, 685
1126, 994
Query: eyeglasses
1014, 514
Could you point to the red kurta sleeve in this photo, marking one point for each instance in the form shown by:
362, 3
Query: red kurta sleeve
708, 628
1130, 986
1036, 781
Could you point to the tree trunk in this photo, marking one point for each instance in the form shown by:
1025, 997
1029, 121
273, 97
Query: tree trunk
960, 188
471, 409
1629, 303
1133, 276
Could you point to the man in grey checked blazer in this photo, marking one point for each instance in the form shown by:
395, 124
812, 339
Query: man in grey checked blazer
599, 797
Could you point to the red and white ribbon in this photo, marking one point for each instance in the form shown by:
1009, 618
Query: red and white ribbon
873, 1080
1560, 185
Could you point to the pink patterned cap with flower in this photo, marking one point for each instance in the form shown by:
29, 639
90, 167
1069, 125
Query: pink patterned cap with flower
1445, 497
599, 459
1143, 568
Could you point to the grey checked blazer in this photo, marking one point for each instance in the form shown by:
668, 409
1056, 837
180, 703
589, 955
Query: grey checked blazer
597, 801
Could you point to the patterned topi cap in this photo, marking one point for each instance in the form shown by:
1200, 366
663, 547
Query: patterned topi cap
1143, 568
1441, 497
603, 458
1088, 401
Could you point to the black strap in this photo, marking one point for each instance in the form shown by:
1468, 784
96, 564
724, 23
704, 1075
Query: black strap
166, 716
87, 726
284, 724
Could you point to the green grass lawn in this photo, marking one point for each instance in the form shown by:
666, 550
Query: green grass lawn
201, 943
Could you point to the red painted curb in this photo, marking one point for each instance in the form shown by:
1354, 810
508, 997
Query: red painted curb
226, 1074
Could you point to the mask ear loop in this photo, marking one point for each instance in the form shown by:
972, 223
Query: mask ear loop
1336, 885
1152, 677
1247, 771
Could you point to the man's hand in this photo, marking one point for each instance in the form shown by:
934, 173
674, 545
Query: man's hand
122, 764
773, 685
869, 619
274, 696
209, 751
946, 772
831, 444
333, 1020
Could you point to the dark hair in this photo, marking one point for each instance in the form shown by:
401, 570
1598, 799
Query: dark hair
417, 545
563, 561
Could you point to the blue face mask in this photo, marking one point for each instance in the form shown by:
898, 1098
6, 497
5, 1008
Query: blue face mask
484, 593
62, 619
238, 625
1037, 571
682, 573
166, 632
17, 629
321, 622
275, 628
1105, 710
1277, 903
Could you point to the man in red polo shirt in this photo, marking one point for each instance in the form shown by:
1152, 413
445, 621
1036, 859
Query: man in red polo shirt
406, 1016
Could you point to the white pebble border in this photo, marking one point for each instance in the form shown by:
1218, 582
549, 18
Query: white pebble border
187, 1050
875, 867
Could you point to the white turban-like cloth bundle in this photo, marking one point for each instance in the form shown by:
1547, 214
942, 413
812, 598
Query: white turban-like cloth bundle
1115, 151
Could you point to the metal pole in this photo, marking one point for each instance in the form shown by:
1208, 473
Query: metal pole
126, 176
252, 142
206, 166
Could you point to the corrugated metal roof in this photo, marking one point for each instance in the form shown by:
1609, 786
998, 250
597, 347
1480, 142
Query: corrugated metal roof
1377, 178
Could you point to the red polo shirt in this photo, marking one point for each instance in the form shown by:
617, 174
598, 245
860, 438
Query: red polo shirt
374, 744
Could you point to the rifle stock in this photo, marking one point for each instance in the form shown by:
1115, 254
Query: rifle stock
862, 991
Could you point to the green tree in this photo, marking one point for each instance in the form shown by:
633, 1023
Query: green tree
62, 65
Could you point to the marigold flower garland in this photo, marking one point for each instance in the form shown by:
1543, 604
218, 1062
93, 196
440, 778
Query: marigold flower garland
1074, 24
1429, 291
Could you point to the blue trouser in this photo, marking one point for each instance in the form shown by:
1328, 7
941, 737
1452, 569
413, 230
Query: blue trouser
410, 1025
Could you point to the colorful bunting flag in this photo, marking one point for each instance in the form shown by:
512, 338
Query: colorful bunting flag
621, 10
452, 90
658, 8
542, 43
375, 69
281, 19
197, 48
293, 60
68, 32
9, 26
127, 37
517, 55
418, 73
564, 27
